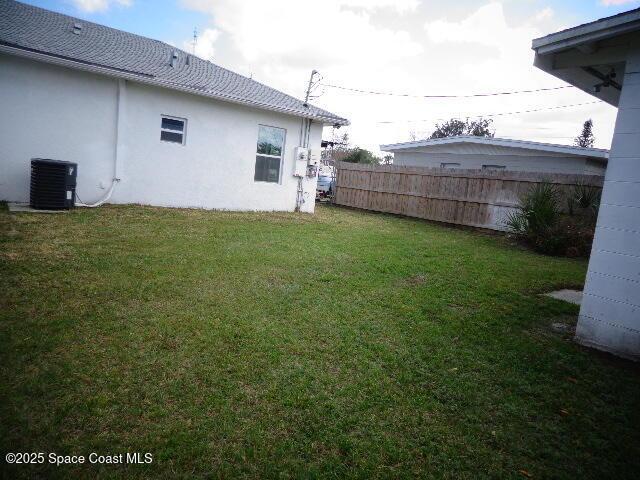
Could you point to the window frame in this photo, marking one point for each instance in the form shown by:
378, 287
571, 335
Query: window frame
448, 165
280, 157
183, 133
491, 166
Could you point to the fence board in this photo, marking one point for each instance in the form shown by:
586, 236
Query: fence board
478, 198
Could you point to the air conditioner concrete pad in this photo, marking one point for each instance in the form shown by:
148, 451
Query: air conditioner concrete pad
24, 207
571, 296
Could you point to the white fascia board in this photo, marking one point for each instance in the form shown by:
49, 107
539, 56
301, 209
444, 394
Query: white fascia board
501, 142
142, 78
588, 33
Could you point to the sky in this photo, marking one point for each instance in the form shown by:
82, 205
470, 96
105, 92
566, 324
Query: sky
415, 47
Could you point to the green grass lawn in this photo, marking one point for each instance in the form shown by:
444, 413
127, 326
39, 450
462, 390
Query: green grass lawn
260, 345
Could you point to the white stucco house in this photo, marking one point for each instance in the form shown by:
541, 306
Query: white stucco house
498, 154
603, 59
146, 122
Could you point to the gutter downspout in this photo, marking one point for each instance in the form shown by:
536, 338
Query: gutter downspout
118, 153
299, 189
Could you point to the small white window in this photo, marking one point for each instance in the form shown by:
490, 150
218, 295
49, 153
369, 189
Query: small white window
493, 167
173, 129
449, 165
269, 154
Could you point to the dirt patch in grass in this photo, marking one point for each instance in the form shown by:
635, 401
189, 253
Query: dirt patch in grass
415, 280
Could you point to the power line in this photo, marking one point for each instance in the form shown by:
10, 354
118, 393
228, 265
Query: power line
497, 114
473, 95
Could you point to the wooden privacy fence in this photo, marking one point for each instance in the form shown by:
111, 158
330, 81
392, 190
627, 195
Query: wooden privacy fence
478, 198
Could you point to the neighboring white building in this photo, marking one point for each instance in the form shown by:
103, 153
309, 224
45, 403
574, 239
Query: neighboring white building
603, 59
497, 154
145, 122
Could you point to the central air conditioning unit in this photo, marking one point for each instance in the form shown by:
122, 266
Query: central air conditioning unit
53, 184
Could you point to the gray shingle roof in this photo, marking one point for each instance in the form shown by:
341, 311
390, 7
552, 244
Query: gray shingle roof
39, 31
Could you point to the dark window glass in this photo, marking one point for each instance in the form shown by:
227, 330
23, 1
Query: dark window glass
171, 136
270, 140
267, 169
269, 149
173, 124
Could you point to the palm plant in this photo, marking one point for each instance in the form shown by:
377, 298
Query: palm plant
539, 221
586, 198
537, 213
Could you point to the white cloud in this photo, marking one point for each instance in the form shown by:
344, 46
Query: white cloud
279, 42
386, 45
205, 46
502, 61
545, 14
617, 2
502, 58
486, 26
399, 5
292, 32
99, 5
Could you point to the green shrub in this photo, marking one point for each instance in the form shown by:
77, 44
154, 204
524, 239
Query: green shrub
540, 223
536, 216
360, 155
584, 200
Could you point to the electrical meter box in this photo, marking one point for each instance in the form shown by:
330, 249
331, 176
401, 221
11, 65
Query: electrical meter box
314, 157
301, 159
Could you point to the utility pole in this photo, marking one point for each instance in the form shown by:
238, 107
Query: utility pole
306, 97
304, 138
195, 39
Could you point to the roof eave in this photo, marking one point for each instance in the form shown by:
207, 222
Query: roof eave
588, 33
43, 57
594, 153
